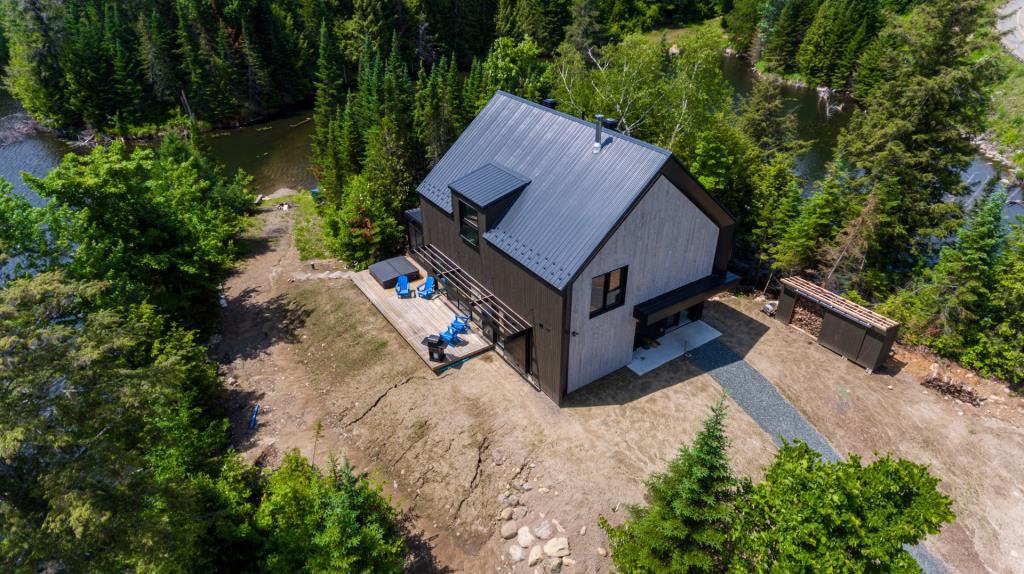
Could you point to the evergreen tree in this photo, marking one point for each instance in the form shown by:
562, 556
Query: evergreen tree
328, 93
765, 120
785, 37
742, 24
948, 307
908, 167
686, 526
474, 91
775, 201
584, 31
840, 32
1000, 349
437, 114
815, 223
365, 229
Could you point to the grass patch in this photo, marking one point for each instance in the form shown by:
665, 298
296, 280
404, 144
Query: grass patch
674, 35
343, 329
309, 233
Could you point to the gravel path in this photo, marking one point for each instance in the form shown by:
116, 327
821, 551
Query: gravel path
763, 402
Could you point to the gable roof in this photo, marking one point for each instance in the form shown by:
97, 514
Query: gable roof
574, 199
488, 185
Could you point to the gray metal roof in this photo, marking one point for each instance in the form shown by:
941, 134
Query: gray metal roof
575, 197
488, 184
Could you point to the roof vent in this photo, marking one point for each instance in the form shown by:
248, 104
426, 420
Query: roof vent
610, 123
597, 132
549, 103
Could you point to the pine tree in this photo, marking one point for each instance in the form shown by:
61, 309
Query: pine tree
764, 119
775, 201
474, 91
687, 525
387, 175
947, 308
505, 19
815, 223
783, 40
328, 91
437, 116
584, 31
840, 32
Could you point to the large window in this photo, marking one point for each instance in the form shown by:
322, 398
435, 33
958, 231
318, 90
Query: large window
608, 291
469, 224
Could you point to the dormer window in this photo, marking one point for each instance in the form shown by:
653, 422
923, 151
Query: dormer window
469, 224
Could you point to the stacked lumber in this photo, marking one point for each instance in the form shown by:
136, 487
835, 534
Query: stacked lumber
807, 316
950, 386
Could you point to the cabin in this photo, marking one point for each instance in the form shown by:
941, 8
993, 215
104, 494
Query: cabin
569, 243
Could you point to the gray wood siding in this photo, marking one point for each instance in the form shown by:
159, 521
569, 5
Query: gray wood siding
533, 299
667, 242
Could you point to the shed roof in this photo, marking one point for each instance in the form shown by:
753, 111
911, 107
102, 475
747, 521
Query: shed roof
841, 305
488, 184
575, 197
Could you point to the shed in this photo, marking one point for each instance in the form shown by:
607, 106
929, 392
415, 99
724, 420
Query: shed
852, 330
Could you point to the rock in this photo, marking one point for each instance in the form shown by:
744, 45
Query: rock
583, 531
508, 500
890, 387
508, 530
543, 490
525, 538
544, 530
568, 561
517, 553
555, 566
506, 514
536, 555
519, 512
601, 551
526, 486
557, 547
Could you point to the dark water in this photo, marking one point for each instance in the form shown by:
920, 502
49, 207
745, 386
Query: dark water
816, 125
34, 152
274, 153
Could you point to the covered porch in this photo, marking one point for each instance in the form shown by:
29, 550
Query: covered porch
415, 318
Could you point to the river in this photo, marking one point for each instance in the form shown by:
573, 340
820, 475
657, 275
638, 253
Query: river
276, 153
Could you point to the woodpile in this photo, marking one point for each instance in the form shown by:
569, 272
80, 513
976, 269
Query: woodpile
807, 316
950, 386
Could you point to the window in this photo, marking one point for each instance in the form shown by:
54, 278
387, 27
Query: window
608, 291
469, 224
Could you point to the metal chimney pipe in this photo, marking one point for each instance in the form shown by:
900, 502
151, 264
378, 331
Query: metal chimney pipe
598, 124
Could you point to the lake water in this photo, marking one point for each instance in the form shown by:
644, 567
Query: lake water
277, 153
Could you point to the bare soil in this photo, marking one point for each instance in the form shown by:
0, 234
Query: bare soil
308, 348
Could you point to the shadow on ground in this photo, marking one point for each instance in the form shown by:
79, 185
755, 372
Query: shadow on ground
739, 333
258, 325
420, 558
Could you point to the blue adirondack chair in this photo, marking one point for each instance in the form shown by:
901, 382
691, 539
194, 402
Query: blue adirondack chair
451, 337
402, 287
460, 324
426, 290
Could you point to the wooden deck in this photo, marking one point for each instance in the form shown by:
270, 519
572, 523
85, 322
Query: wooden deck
416, 318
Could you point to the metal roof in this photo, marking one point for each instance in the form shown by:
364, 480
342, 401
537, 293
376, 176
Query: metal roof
575, 197
489, 184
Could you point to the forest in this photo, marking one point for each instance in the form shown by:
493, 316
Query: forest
114, 451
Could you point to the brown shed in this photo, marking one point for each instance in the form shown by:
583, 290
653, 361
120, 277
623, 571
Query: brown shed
852, 330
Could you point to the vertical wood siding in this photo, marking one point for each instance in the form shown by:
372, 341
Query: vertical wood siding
667, 242
533, 299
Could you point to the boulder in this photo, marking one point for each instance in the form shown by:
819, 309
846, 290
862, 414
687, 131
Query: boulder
508, 530
519, 512
506, 514
536, 555
557, 547
554, 565
525, 538
601, 551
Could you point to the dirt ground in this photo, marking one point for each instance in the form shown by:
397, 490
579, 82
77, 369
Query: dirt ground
304, 344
